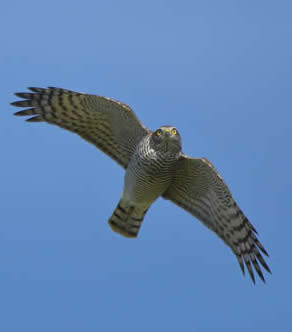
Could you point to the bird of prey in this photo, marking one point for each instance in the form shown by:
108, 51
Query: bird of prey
154, 166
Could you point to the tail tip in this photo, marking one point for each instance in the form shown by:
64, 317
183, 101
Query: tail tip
122, 231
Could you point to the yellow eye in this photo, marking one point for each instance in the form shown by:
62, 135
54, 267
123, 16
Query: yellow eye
158, 132
174, 132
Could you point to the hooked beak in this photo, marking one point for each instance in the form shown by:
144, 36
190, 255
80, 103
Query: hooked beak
167, 132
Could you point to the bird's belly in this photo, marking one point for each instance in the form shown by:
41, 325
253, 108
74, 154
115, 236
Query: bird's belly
144, 187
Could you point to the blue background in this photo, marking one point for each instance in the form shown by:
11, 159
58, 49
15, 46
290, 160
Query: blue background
218, 70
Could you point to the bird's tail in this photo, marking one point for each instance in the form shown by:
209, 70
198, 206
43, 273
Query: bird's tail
126, 220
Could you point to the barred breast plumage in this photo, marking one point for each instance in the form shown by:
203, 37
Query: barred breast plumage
149, 174
155, 166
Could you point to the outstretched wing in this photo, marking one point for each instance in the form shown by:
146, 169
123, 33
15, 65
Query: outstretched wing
199, 189
108, 124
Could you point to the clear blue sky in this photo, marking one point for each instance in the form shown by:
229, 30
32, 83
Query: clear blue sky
218, 70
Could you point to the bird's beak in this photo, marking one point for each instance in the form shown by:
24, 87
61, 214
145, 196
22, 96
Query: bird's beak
167, 132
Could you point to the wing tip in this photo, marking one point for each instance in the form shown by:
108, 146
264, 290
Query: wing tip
37, 118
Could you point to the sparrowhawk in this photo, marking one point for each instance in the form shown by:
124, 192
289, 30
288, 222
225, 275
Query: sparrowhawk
154, 166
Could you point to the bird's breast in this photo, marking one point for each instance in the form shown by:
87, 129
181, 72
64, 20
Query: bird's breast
148, 176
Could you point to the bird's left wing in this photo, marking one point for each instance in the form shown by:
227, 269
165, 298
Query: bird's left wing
108, 124
198, 188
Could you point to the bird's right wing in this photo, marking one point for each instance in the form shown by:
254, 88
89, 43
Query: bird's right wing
108, 124
198, 188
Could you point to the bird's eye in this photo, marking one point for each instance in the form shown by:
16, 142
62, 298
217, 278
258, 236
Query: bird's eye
174, 131
158, 132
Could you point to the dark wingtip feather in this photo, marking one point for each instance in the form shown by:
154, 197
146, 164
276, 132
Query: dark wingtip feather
239, 259
29, 111
265, 265
249, 268
264, 251
24, 95
53, 88
252, 277
35, 119
34, 89
257, 268
252, 227
261, 259
262, 277
21, 103
260, 246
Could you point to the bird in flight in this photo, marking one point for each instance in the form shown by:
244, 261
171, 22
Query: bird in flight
154, 166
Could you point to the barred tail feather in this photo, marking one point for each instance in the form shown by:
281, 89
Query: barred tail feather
125, 220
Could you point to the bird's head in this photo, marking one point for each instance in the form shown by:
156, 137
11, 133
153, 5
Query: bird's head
167, 139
